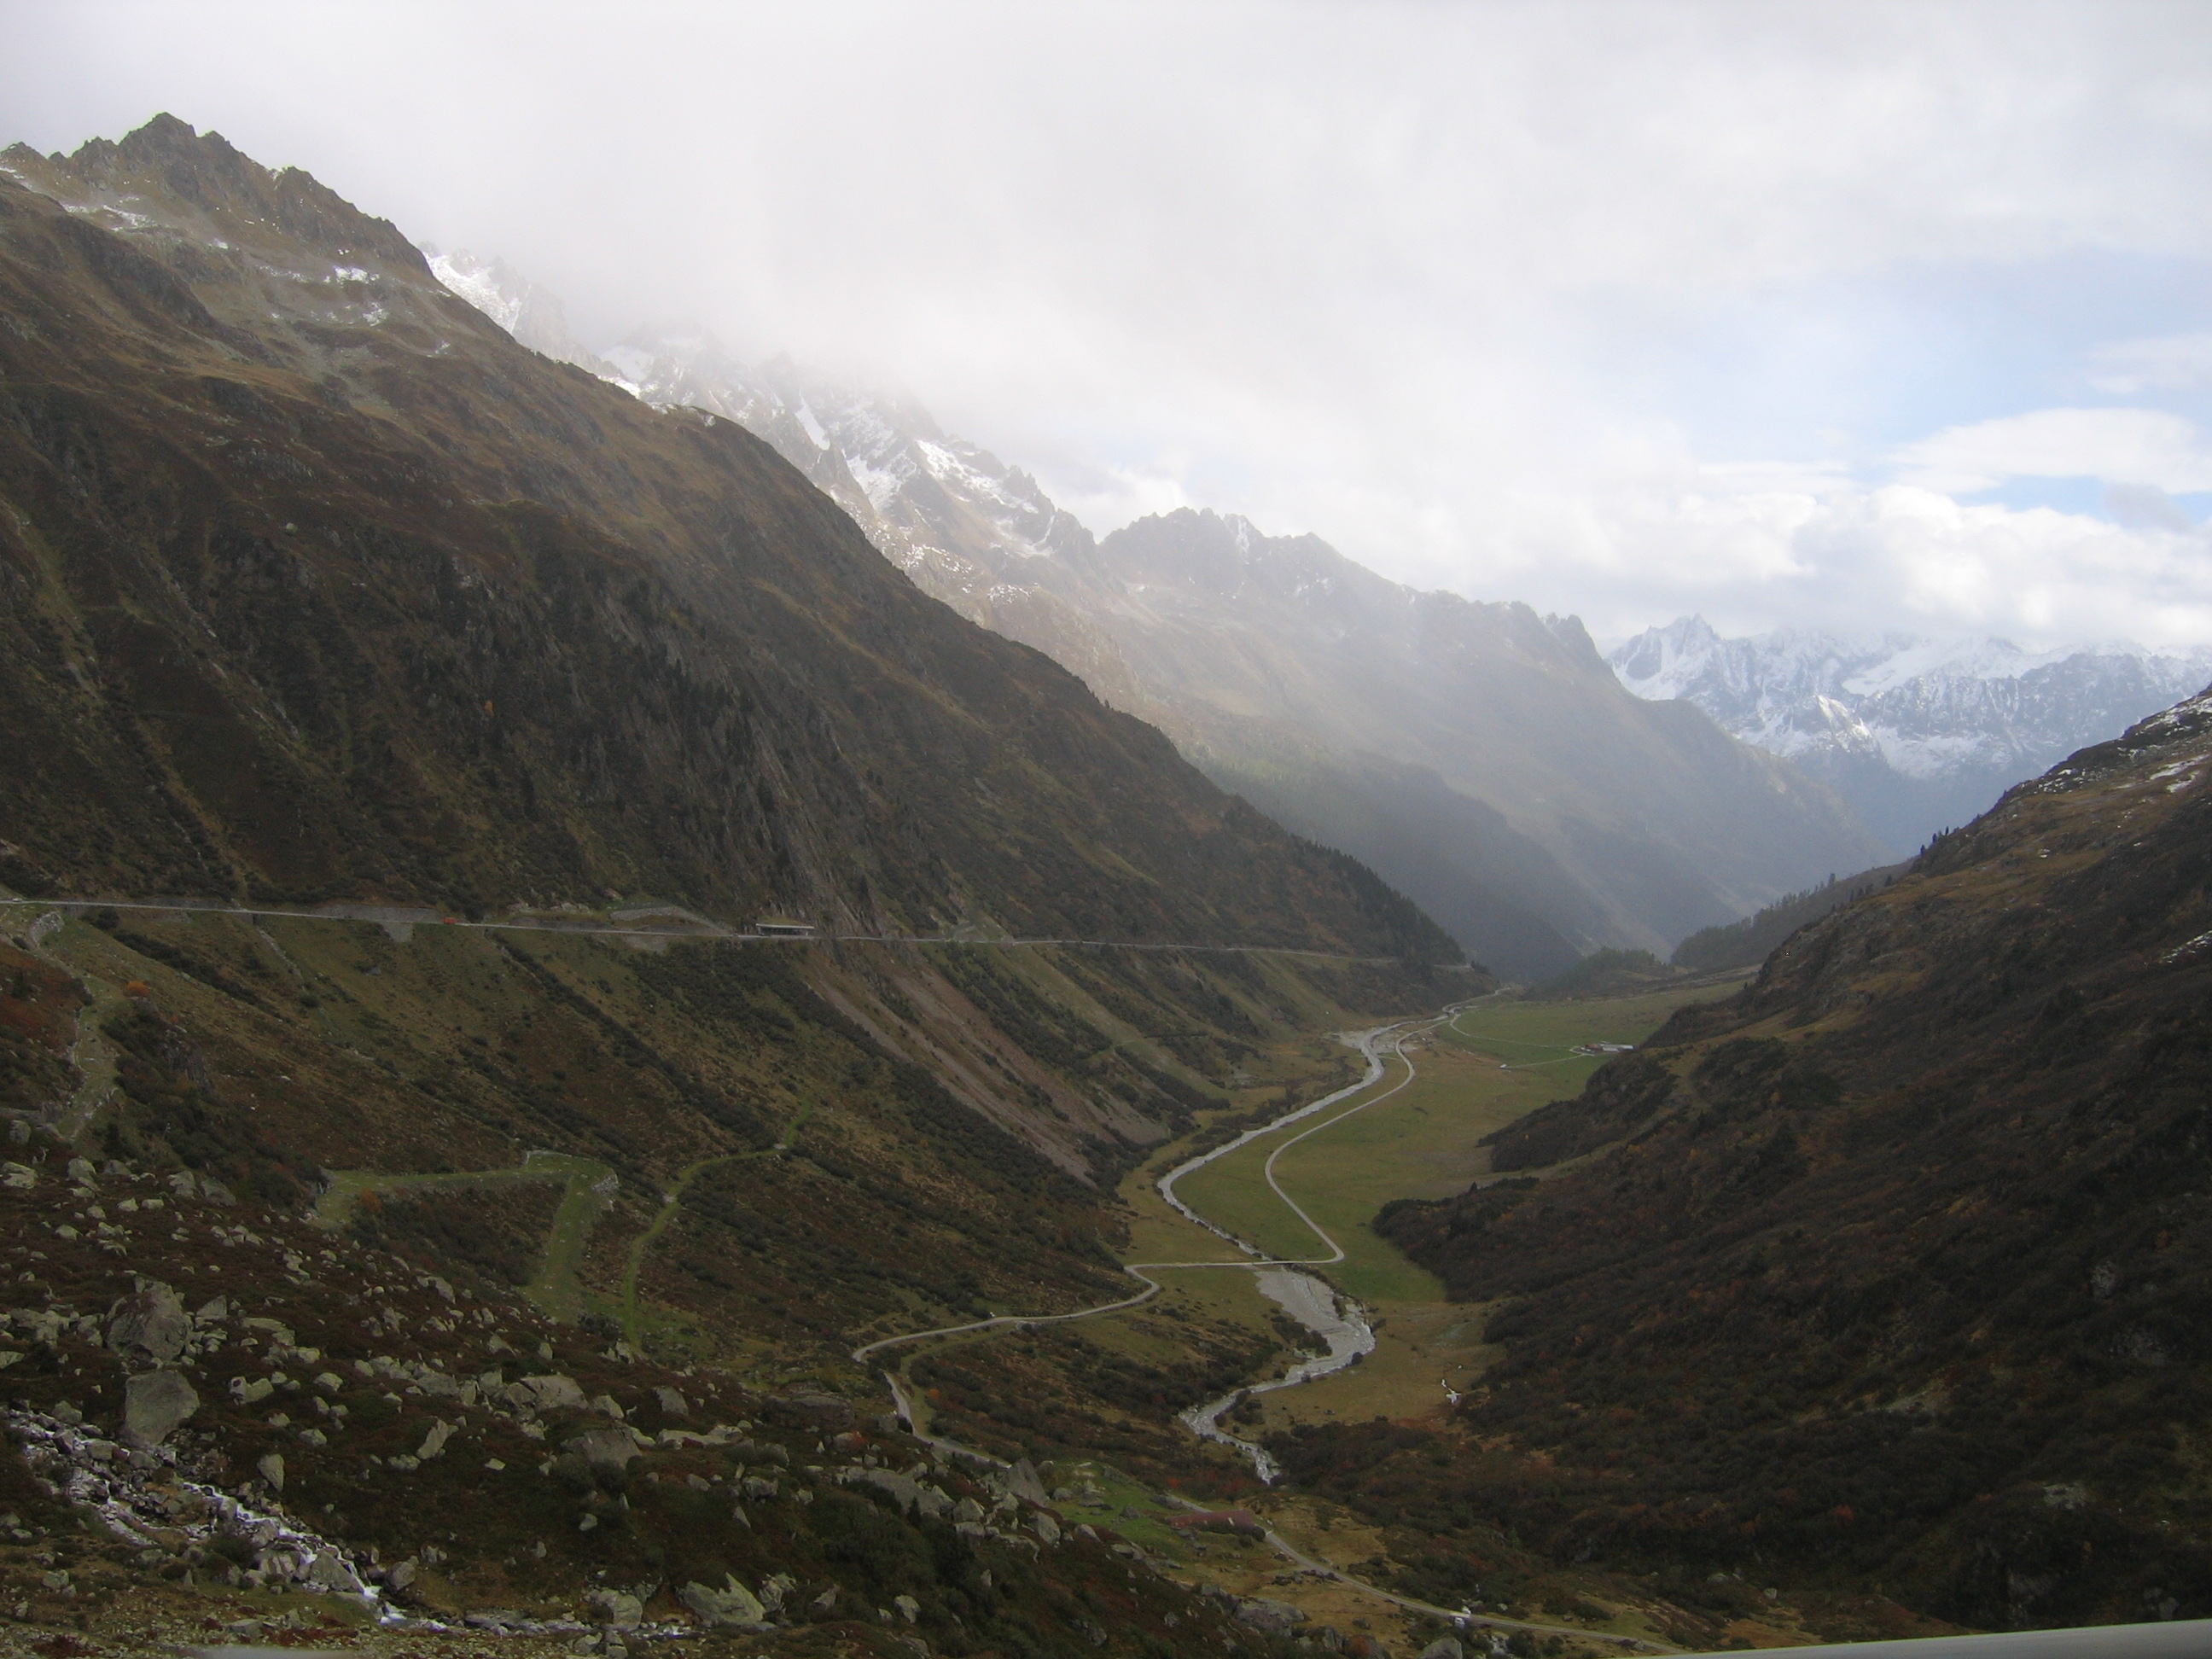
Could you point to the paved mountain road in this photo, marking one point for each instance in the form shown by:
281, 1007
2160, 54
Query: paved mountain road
661, 923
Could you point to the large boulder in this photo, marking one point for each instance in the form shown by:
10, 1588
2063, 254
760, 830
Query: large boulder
1024, 1482
154, 1403
328, 1571
731, 1607
149, 1326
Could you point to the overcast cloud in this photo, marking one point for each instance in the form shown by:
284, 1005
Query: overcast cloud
1845, 315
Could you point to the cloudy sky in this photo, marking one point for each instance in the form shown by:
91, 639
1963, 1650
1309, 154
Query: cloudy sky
1838, 315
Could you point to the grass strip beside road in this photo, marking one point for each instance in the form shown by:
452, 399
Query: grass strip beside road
634, 1265
590, 1186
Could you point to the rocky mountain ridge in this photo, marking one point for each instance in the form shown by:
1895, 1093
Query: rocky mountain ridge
1920, 734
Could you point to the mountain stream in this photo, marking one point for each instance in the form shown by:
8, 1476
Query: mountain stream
1339, 1322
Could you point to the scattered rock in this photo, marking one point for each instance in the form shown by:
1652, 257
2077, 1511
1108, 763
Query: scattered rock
672, 1403
154, 1403
148, 1326
272, 1471
603, 1450
1271, 1616
907, 1491
548, 1393
434, 1443
1444, 1647
617, 1608
1045, 1527
908, 1609
810, 1408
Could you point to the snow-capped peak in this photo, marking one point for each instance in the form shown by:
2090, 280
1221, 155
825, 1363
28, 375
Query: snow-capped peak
1957, 719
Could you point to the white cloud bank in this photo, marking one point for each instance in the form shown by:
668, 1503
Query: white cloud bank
2172, 362
1403, 274
2140, 446
1901, 556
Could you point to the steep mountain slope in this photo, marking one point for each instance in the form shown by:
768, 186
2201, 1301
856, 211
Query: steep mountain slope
325, 603
320, 587
1918, 734
1479, 758
1893, 1268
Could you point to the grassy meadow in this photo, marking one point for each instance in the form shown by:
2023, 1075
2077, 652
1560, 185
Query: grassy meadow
1417, 1138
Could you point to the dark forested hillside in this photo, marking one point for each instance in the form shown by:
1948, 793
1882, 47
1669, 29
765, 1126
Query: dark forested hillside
1746, 942
1892, 1269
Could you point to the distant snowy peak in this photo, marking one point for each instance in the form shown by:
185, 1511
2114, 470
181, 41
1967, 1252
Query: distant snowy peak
927, 499
492, 288
533, 314
1977, 710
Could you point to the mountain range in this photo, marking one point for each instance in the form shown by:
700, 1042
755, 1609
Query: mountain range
1479, 756
1918, 734
440, 1186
